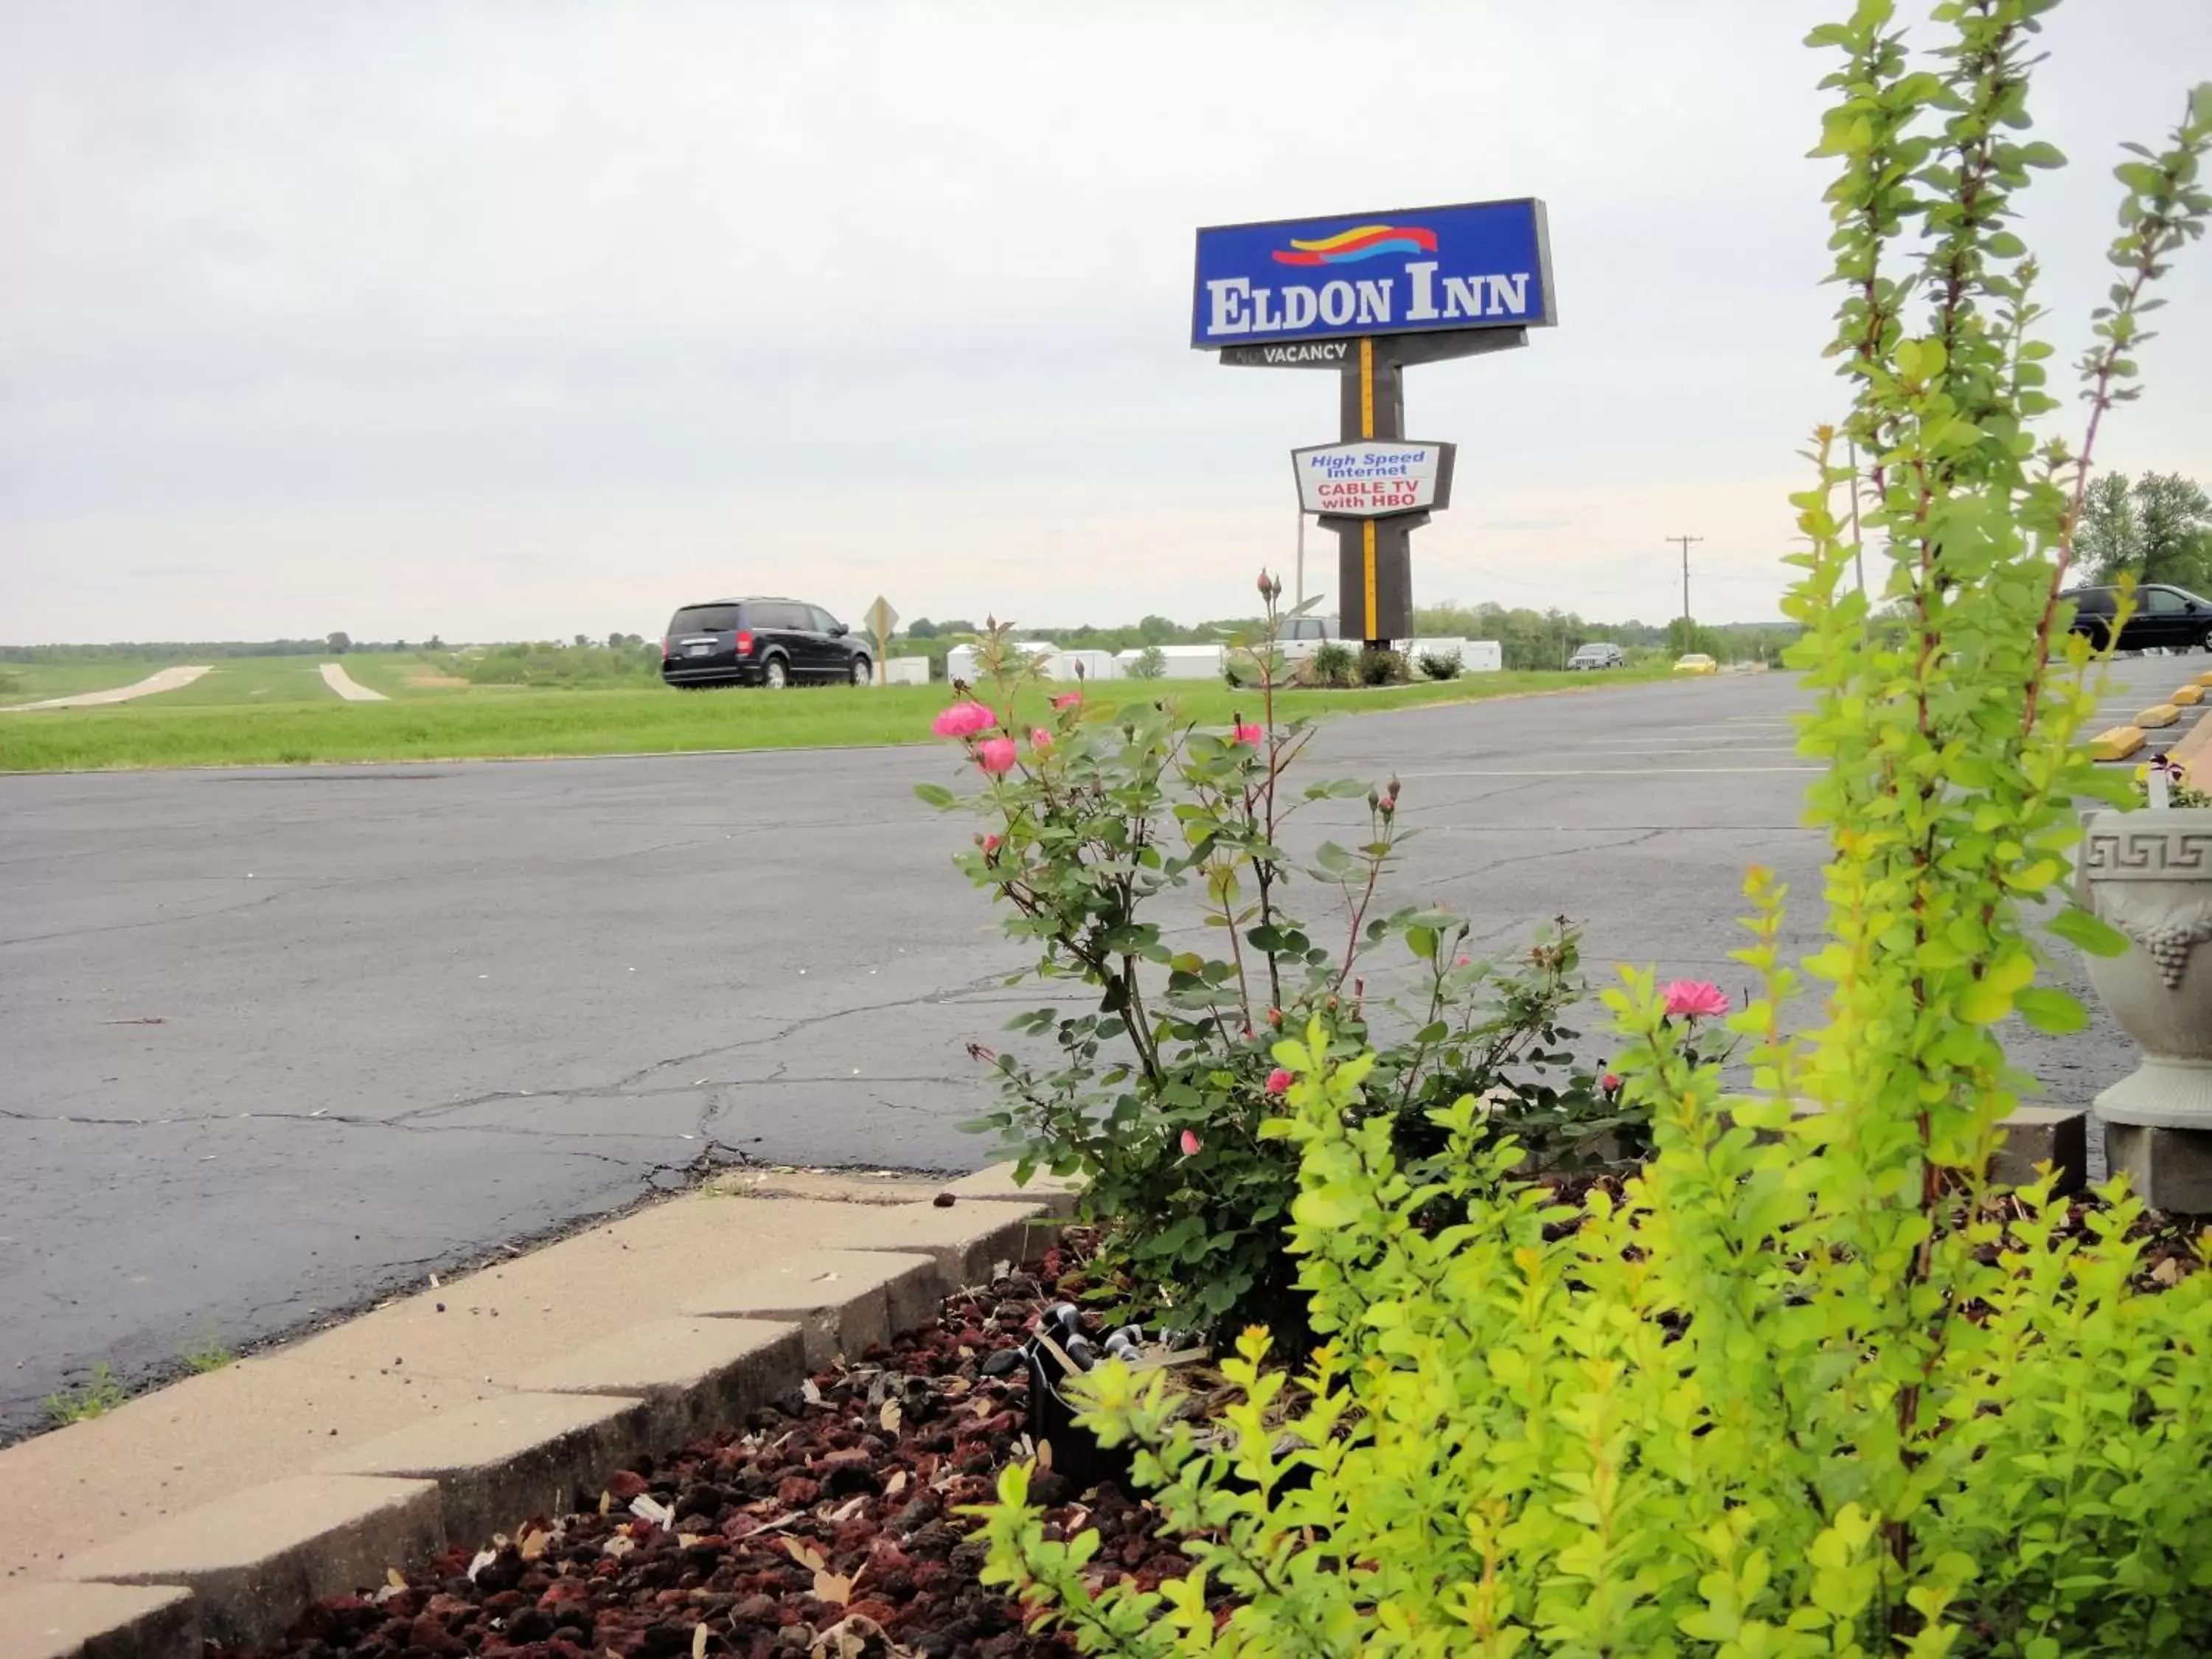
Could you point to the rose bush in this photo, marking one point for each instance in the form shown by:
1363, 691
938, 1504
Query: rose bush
1120, 839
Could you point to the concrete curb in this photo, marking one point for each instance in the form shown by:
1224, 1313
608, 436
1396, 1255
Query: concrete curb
98, 1621
500, 1462
839, 1301
1058, 1194
694, 1375
255, 1559
240, 1569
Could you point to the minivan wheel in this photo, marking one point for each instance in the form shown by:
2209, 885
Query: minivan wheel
775, 675
864, 672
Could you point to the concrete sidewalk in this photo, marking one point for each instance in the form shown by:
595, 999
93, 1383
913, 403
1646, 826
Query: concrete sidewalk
220, 1506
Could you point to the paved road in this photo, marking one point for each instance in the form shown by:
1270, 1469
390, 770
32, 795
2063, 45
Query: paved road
278, 1041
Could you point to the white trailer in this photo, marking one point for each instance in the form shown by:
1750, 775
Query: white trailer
1097, 666
1183, 662
960, 660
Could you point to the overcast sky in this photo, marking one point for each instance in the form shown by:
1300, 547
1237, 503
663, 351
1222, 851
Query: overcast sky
517, 317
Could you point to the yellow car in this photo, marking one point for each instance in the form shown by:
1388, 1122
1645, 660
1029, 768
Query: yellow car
1696, 662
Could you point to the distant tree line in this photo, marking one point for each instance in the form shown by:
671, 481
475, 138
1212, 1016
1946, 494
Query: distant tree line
337, 644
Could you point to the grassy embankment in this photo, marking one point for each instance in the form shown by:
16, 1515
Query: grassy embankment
262, 723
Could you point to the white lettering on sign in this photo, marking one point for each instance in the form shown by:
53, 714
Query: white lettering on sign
1227, 298
1234, 306
1309, 351
1504, 296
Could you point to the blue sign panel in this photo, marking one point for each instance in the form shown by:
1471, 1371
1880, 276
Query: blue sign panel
1413, 271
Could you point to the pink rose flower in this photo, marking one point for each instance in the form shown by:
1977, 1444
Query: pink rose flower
995, 755
1189, 1144
1279, 1081
1040, 740
964, 720
990, 843
1695, 997
1610, 1083
1463, 962
1246, 732
1067, 699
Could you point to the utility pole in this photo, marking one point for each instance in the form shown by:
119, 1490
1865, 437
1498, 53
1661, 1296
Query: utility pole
1302, 553
1685, 541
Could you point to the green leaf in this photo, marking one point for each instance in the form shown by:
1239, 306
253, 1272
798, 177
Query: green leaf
2055, 1012
1422, 942
935, 794
2090, 932
1984, 1004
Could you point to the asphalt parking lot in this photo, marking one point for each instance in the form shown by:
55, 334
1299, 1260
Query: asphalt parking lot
280, 1041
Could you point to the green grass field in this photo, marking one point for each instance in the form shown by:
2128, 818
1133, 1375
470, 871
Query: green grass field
251, 683
277, 711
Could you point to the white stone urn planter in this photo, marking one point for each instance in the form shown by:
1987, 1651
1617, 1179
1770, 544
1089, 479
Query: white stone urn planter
2149, 873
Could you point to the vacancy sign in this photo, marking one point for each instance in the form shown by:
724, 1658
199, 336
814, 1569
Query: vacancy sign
1373, 478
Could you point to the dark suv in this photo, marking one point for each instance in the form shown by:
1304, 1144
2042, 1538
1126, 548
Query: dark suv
2170, 616
771, 643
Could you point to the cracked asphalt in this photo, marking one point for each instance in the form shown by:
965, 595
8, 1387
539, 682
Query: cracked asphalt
280, 1042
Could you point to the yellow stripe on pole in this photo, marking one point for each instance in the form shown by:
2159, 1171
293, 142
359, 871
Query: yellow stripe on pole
1367, 430
1371, 613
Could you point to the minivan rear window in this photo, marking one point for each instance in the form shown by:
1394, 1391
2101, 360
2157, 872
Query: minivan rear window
704, 619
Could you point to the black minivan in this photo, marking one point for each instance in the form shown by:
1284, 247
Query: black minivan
771, 643
2164, 615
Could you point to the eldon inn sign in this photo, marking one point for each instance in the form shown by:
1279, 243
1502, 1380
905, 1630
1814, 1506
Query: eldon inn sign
1369, 294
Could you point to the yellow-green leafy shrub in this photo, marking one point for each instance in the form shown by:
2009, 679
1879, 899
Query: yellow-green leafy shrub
1809, 1384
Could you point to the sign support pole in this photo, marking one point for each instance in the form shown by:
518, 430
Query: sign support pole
1374, 583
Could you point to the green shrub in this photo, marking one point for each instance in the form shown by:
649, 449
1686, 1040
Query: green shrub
1810, 1384
1149, 664
1662, 1430
1440, 664
1333, 664
1379, 665
1155, 1094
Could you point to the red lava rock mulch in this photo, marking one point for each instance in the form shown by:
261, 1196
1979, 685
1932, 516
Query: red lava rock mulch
829, 1525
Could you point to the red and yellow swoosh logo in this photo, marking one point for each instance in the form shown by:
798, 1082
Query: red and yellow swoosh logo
1360, 242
